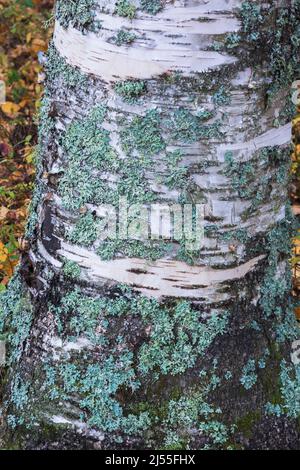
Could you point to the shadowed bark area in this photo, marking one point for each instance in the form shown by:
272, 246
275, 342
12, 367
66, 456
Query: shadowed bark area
131, 344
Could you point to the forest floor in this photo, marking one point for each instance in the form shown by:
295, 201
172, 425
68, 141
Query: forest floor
25, 29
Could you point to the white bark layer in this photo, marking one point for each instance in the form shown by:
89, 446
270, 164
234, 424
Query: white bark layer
172, 40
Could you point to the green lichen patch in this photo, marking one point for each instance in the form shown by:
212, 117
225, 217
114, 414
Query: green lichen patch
275, 288
255, 180
271, 35
126, 9
124, 37
187, 127
88, 150
78, 13
221, 97
57, 68
143, 135
177, 339
290, 389
150, 250
152, 6
85, 232
249, 375
71, 269
131, 90
193, 410
16, 315
86, 141
177, 176
97, 386
19, 403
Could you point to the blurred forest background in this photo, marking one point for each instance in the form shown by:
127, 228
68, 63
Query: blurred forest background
25, 29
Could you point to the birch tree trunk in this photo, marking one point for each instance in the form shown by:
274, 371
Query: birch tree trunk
130, 344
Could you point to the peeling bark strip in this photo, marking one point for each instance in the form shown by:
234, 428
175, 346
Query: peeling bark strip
166, 42
134, 344
164, 278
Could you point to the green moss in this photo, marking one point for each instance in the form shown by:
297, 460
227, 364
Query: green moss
246, 423
130, 90
126, 9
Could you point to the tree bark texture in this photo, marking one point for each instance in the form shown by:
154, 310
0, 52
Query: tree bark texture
148, 344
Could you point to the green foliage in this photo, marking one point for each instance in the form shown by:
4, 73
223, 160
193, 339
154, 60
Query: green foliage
131, 90
126, 9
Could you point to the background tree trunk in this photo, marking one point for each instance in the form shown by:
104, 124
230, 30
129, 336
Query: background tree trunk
131, 344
